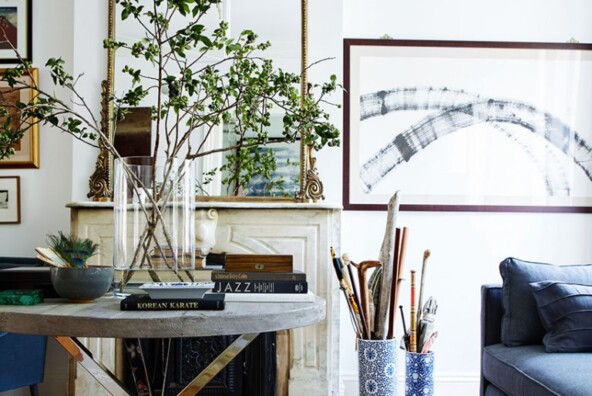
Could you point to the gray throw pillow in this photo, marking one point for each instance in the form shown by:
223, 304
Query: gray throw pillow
520, 323
565, 310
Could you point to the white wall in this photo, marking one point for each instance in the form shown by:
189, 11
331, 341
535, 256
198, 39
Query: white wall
44, 191
72, 30
60, 29
466, 247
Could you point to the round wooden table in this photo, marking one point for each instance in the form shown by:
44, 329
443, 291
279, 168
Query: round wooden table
103, 318
65, 321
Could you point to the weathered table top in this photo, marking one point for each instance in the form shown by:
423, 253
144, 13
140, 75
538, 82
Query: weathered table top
103, 318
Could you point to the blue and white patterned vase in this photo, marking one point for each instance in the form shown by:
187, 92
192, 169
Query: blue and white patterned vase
419, 374
377, 362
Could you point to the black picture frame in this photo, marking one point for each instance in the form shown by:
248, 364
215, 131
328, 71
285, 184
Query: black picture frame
10, 200
16, 18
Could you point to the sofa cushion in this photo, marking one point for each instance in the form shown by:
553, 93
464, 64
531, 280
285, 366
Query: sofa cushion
565, 310
529, 370
520, 323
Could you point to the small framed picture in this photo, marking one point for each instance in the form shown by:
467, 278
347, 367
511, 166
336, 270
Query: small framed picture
284, 181
26, 153
10, 200
15, 30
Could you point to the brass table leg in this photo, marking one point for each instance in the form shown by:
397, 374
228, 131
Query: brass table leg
218, 364
102, 374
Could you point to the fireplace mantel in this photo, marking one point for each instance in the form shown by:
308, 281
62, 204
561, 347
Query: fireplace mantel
303, 230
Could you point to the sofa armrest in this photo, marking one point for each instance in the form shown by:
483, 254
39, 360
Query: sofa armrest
491, 314
491, 322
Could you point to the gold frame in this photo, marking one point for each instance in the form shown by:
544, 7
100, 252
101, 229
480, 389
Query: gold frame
29, 157
100, 183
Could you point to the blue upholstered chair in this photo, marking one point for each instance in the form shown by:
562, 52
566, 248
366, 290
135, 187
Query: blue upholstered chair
22, 361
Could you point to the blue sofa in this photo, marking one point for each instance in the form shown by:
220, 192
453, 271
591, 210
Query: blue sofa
525, 370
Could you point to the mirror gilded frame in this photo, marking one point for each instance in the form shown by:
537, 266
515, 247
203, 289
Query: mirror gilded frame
100, 182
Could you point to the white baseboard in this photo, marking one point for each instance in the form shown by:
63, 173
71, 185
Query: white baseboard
445, 384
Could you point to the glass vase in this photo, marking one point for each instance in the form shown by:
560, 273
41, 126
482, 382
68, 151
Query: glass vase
154, 205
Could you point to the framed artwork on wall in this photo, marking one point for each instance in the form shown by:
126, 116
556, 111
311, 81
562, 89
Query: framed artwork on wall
27, 149
468, 126
10, 200
15, 30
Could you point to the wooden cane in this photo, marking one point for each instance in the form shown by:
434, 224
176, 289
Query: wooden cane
387, 259
364, 297
392, 310
400, 270
426, 255
413, 317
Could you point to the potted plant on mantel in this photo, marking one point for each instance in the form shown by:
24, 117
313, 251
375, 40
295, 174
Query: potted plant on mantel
190, 96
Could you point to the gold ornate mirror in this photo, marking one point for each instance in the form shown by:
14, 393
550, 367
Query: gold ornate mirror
291, 54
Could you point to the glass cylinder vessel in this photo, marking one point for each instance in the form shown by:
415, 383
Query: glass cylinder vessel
154, 204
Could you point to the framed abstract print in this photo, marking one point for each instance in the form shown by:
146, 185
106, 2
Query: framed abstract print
468, 126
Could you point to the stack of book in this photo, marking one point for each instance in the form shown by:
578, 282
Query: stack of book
260, 278
245, 278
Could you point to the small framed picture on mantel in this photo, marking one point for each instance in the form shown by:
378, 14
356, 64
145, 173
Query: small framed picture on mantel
15, 30
10, 200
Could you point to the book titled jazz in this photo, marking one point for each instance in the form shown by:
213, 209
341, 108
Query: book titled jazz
247, 286
141, 302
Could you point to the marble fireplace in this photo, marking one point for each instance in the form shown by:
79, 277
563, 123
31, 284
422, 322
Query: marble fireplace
307, 358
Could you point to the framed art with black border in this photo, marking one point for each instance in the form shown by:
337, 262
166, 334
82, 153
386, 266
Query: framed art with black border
10, 200
15, 30
26, 153
468, 126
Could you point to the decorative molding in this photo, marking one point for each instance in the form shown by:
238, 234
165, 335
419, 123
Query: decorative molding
100, 180
458, 384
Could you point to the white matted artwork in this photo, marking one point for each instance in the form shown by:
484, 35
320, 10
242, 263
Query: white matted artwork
468, 126
10, 200
15, 30
284, 181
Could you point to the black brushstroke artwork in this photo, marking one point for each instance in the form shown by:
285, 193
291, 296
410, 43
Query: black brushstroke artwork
457, 109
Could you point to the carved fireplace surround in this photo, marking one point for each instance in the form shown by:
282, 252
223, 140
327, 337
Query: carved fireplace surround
308, 358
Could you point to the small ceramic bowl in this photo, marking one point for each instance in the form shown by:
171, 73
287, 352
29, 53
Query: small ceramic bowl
82, 284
